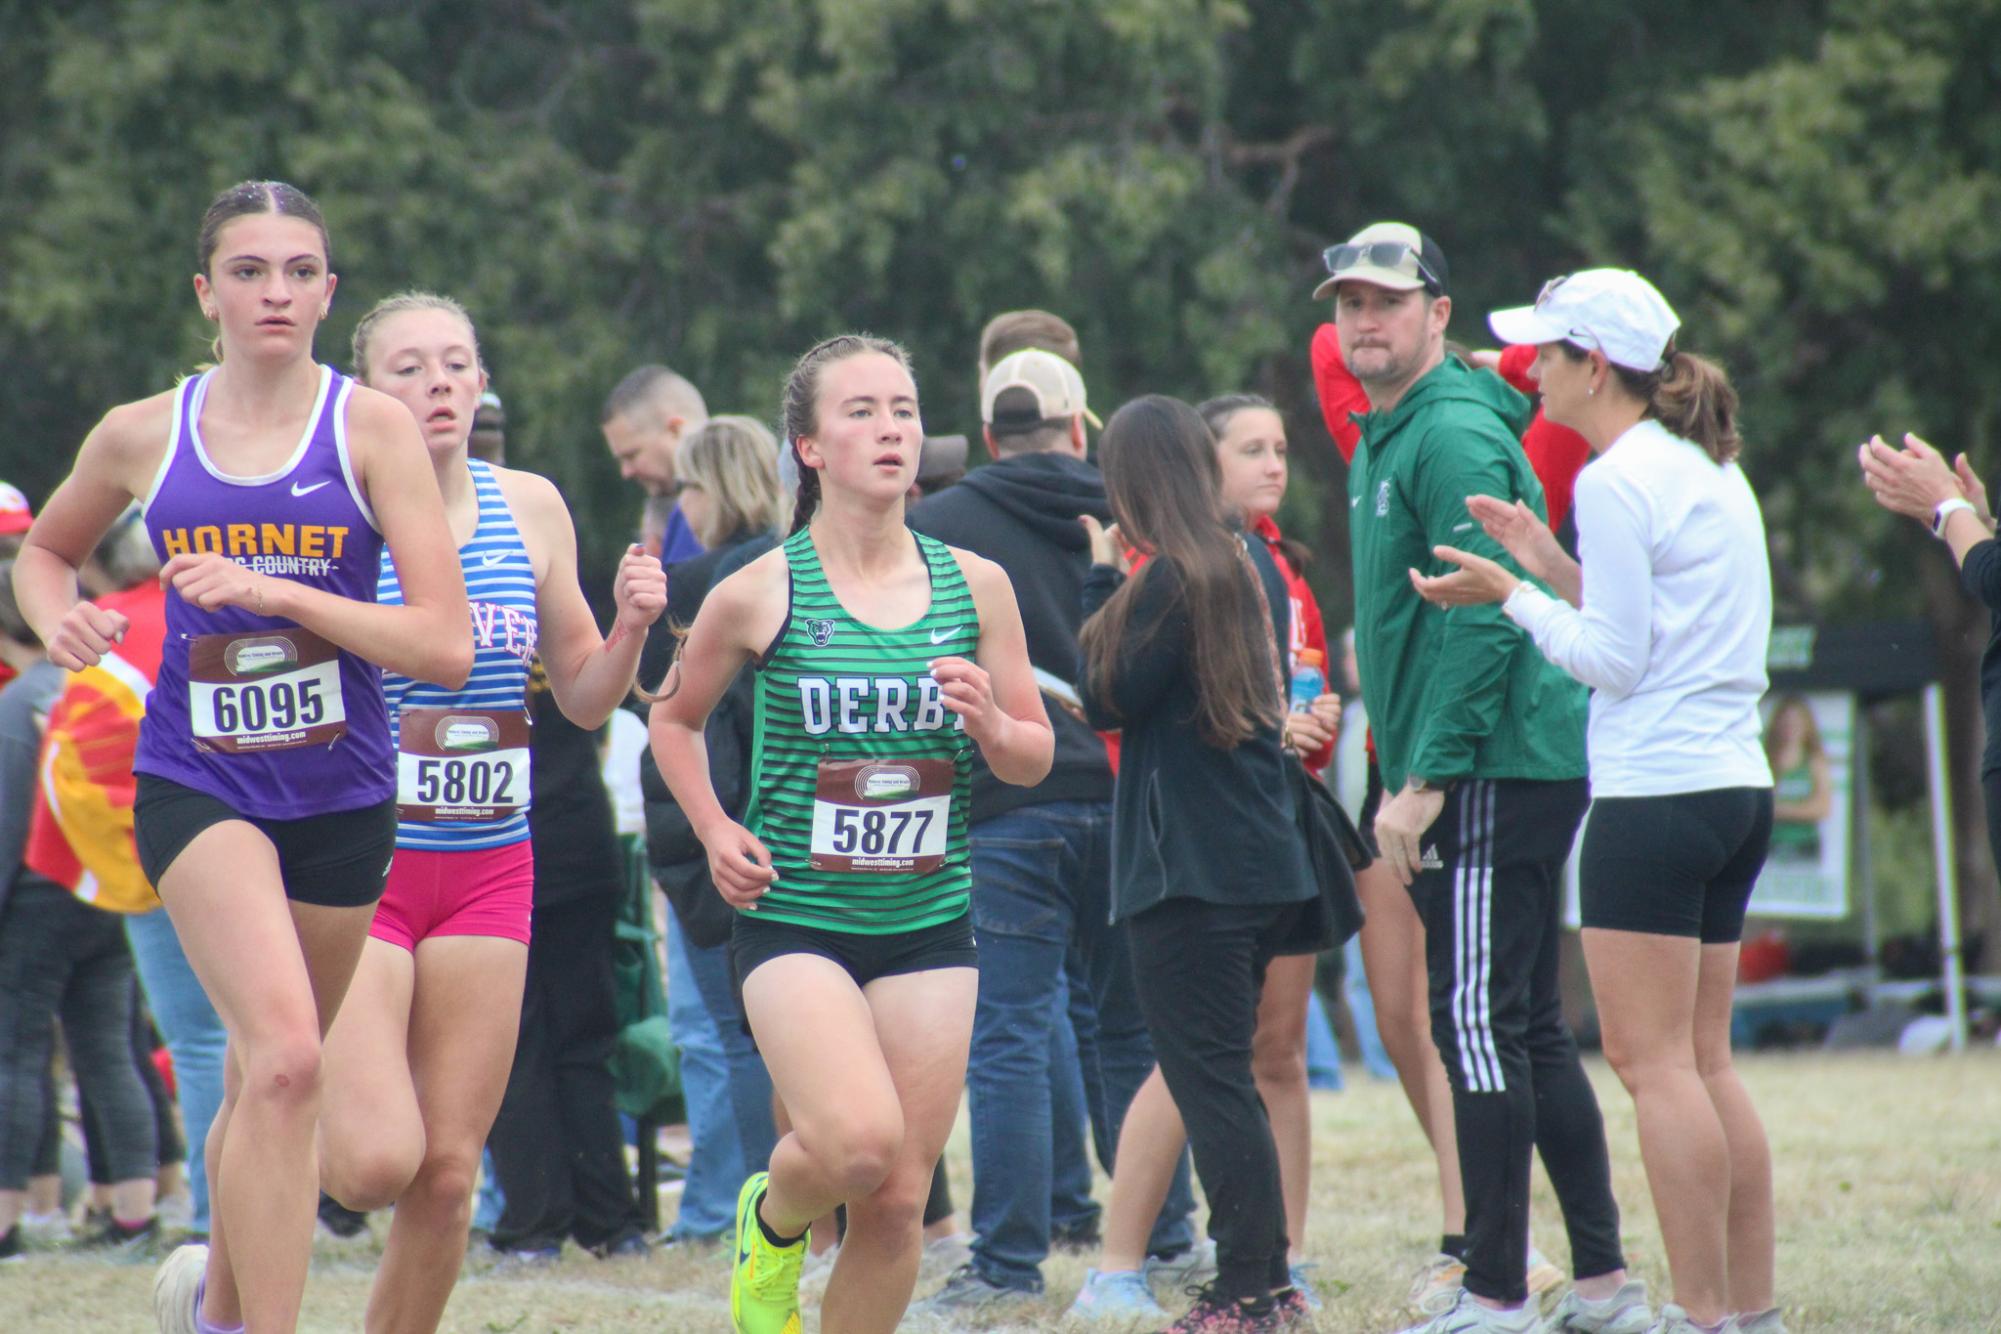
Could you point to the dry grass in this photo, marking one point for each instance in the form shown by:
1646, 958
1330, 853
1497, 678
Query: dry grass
1889, 1181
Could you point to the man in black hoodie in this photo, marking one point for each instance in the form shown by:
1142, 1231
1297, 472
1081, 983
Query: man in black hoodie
1041, 855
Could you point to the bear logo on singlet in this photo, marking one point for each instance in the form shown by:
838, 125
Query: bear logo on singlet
821, 632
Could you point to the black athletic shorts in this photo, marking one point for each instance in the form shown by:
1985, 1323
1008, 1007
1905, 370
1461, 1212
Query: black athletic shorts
757, 940
1680, 865
337, 860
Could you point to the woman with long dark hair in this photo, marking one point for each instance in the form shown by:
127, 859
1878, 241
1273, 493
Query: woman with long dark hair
1209, 875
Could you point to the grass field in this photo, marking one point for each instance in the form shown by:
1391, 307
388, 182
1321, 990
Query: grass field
1889, 1196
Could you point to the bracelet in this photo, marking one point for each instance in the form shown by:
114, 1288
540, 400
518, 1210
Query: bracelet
1946, 509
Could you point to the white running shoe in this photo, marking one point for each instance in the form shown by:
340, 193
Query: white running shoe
1769, 1321
1191, 1268
1624, 1312
1436, 1288
1121, 1296
1674, 1320
175, 1286
47, 1231
1467, 1316
1541, 1276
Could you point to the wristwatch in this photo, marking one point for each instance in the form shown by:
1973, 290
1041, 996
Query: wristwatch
1946, 509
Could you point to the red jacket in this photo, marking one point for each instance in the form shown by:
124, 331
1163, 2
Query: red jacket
1556, 453
1307, 629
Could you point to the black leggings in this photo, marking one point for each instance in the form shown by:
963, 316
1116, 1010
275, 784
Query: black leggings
61, 957
1200, 968
169, 1147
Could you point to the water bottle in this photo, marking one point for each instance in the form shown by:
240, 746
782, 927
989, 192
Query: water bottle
1308, 682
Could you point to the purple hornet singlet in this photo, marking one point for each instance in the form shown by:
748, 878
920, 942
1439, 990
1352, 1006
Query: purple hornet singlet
260, 713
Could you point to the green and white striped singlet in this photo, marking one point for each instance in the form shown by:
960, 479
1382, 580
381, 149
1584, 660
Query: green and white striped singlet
861, 778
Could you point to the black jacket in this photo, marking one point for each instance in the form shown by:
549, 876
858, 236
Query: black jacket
1190, 820
1021, 513
1981, 575
678, 860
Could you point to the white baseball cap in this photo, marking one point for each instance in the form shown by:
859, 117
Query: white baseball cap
1032, 386
1615, 311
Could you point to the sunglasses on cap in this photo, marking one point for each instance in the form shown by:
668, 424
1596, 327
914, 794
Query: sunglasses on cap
1379, 254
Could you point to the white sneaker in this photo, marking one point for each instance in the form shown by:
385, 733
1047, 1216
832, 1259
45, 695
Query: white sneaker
1541, 1276
46, 1231
1468, 1316
1192, 1268
1120, 1296
1674, 1320
1769, 1321
1624, 1312
175, 1286
1436, 1288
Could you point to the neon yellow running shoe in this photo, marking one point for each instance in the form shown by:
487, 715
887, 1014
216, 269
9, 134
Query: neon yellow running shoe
764, 1285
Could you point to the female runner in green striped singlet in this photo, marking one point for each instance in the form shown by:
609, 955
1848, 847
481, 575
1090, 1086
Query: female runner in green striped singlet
852, 944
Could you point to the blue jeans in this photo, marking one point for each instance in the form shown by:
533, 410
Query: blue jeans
195, 1037
1071, 1208
723, 1079
489, 1200
1323, 1052
1041, 908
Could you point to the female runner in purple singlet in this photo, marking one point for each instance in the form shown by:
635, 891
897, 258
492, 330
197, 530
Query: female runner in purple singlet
265, 810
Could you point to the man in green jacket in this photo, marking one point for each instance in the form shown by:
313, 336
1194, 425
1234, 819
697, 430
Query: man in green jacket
1481, 745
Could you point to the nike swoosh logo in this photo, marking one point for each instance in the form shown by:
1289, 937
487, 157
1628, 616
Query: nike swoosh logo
1354, 501
940, 636
493, 558
298, 490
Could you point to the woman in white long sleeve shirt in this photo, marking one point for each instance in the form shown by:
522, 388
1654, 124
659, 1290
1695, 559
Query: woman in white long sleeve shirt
1666, 614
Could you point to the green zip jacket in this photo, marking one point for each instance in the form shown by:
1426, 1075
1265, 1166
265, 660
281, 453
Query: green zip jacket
1458, 693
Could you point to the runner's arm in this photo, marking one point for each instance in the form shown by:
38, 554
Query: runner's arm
722, 639
113, 466
589, 673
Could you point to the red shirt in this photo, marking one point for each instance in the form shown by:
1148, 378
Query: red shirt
1308, 631
1556, 453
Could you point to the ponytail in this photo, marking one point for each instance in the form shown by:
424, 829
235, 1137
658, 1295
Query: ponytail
1692, 397
809, 492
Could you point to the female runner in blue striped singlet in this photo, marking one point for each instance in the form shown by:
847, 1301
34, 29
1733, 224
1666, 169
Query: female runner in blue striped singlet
419, 1060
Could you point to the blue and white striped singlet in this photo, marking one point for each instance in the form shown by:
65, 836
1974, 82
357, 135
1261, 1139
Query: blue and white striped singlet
500, 586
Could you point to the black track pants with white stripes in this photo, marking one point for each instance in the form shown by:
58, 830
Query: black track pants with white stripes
1491, 899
